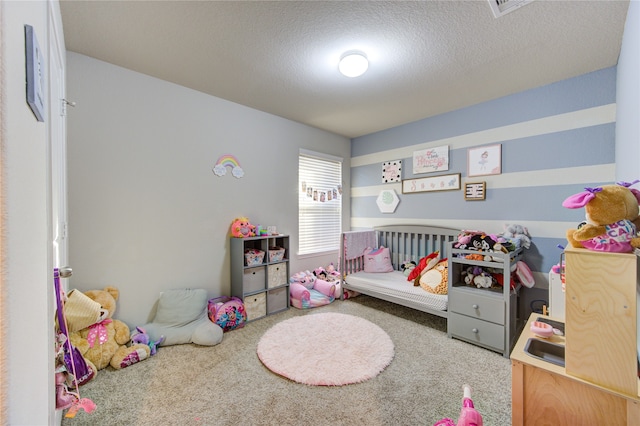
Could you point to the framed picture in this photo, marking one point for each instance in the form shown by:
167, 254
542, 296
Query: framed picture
474, 191
484, 160
434, 183
35, 73
431, 160
392, 171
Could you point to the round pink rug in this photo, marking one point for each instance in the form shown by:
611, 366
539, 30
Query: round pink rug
326, 349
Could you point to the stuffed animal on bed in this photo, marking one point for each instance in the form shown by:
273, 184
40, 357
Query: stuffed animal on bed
407, 267
612, 218
424, 264
436, 279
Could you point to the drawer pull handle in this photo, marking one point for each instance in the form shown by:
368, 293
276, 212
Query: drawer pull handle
474, 306
475, 330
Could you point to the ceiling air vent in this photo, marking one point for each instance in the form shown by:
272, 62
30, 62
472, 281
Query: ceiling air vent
502, 7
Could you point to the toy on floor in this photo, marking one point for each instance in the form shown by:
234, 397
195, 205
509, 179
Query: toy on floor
306, 290
612, 218
140, 336
105, 342
71, 368
469, 416
182, 317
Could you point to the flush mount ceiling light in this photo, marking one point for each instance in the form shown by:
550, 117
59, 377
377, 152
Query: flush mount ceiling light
353, 64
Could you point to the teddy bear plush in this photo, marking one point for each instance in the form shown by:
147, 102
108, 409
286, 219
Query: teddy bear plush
105, 342
612, 218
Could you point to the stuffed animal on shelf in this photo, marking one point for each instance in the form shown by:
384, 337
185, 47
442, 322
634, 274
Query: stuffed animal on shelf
612, 218
518, 235
242, 228
105, 342
476, 276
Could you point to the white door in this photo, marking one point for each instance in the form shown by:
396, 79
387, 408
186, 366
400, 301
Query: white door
57, 128
56, 124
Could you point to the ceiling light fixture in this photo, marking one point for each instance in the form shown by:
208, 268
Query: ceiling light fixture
353, 64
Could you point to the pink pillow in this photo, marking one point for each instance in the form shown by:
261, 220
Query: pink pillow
377, 260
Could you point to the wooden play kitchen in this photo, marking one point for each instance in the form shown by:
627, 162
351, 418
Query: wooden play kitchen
589, 375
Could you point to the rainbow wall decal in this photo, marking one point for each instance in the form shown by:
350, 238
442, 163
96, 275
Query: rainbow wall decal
228, 160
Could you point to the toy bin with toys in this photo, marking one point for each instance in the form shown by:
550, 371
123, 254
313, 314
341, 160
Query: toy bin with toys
254, 257
276, 254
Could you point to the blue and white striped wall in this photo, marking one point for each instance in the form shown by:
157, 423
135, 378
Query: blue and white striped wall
555, 140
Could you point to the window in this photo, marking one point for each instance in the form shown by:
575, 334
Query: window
319, 202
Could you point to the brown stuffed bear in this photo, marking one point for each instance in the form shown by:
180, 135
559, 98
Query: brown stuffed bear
612, 218
104, 343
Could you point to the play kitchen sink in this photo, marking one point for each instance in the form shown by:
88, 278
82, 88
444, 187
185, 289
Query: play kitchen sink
546, 351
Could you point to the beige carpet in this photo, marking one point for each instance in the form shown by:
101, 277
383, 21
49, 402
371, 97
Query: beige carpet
228, 385
302, 349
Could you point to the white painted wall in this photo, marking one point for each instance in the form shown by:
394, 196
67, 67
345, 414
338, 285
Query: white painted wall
26, 259
628, 99
146, 212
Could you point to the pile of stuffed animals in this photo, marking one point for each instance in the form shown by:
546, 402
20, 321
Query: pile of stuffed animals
311, 289
431, 273
102, 341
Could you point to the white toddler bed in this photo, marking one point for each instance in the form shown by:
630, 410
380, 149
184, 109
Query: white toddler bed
405, 242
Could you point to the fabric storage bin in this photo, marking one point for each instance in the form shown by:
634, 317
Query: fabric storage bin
254, 257
277, 275
277, 299
253, 279
276, 254
256, 306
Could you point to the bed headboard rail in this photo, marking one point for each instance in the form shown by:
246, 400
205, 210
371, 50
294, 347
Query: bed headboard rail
406, 242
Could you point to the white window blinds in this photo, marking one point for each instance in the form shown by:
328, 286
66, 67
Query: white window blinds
319, 202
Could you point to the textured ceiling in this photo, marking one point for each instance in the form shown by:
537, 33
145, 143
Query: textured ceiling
426, 57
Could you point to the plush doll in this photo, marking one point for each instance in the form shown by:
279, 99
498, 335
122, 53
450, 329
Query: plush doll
436, 279
104, 343
612, 220
476, 276
518, 235
424, 265
142, 337
242, 228
407, 267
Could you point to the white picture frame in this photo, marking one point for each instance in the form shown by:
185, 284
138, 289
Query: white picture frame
431, 160
484, 160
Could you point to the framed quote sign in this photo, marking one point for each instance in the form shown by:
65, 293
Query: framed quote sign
433, 183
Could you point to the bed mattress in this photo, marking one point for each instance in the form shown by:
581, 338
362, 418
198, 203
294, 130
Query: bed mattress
395, 284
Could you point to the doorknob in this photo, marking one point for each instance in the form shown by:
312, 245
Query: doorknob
65, 271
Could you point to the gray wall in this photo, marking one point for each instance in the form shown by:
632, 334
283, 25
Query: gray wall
146, 211
555, 140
